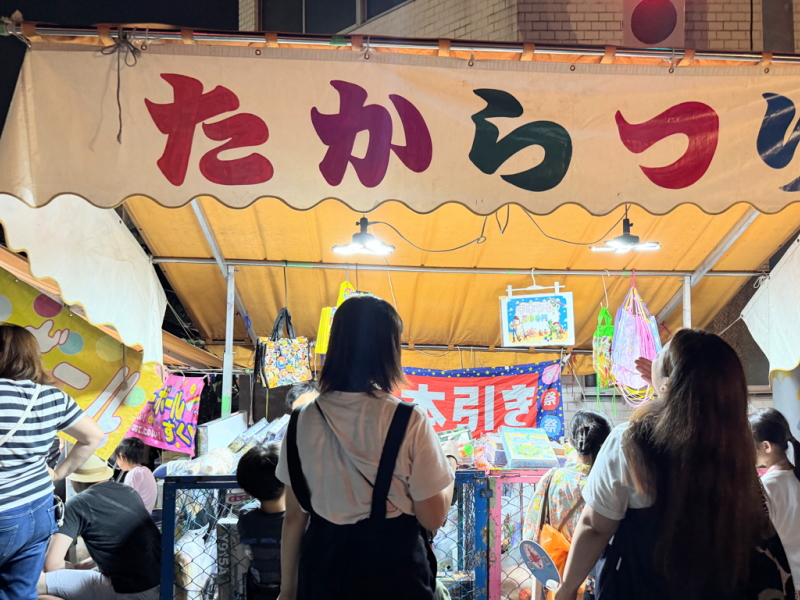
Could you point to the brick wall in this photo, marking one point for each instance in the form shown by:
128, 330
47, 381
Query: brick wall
492, 20
723, 25
710, 24
247, 15
581, 21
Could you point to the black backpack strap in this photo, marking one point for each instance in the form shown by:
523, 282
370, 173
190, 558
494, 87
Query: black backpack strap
299, 483
391, 448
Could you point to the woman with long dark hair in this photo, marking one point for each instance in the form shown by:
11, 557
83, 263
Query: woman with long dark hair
781, 481
32, 412
677, 491
364, 473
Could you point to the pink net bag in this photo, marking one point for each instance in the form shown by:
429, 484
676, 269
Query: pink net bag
635, 336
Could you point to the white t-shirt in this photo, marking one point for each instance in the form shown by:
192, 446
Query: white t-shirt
143, 481
331, 466
610, 489
783, 494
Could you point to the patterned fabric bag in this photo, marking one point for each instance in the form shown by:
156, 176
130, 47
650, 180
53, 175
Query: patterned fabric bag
285, 359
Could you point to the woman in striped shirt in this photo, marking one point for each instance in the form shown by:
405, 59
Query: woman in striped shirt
31, 413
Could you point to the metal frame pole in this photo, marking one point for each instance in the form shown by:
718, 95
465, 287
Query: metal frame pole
280, 264
205, 225
227, 358
687, 302
704, 270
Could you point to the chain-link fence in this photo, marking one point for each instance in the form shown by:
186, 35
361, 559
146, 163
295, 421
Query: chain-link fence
509, 578
203, 558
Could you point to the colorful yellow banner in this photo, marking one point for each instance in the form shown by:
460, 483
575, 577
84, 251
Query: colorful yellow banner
107, 379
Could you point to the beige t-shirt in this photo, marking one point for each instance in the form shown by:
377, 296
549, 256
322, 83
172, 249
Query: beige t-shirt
339, 493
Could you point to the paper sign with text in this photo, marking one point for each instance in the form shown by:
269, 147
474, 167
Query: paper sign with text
169, 420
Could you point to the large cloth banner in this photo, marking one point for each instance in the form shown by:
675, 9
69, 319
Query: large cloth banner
243, 123
106, 378
772, 314
488, 399
169, 419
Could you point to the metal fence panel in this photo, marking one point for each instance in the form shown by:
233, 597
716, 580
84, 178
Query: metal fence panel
509, 578
202, 559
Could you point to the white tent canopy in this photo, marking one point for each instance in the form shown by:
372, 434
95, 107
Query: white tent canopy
96, 262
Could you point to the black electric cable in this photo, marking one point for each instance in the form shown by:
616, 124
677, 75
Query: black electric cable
550, 237
478, 240
502, 227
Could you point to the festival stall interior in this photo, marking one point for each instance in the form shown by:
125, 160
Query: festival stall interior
506, 291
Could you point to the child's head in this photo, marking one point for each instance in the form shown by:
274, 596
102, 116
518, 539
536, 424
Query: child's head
772, 435
129, 453
301, 394
588, 430
256, 473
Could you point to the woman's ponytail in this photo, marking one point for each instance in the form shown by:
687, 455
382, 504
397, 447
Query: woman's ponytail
588, 430
796, 445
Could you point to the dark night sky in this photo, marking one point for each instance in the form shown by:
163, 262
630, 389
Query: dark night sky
201, 14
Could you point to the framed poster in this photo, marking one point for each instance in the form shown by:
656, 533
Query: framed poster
537, 320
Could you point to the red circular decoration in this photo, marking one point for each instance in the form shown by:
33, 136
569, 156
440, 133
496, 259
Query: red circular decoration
550, 400
653, 21
46, 307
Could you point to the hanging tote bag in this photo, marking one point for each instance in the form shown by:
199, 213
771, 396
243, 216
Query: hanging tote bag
635, 336
285, 359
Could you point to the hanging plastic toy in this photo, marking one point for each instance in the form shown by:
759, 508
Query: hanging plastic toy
635, 336
601, 351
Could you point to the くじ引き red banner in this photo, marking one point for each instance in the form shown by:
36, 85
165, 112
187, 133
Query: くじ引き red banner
485, 400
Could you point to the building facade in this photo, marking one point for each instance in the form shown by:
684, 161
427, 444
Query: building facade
736, 25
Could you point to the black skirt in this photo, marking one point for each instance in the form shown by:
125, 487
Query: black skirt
386, 559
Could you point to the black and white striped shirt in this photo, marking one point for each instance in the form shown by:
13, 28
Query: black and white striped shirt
23, 475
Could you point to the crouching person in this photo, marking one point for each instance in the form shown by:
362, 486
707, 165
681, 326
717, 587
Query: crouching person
123, 542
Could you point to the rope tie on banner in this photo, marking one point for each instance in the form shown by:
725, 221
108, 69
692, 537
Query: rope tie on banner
123, 45
688, 57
